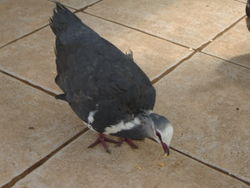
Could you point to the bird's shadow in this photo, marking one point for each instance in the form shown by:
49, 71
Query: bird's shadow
236, 73
227, 75
244, 59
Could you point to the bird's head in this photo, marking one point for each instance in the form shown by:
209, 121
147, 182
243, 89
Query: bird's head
160, 130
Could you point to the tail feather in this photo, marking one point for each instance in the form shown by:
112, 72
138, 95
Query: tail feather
62, 19
248, 14
248, 8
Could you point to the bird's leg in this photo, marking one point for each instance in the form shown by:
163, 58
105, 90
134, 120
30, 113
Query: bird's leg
129, 142
102, 139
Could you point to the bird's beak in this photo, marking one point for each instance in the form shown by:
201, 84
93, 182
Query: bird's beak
165, 148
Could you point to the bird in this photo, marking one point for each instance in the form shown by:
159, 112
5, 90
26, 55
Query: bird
248, 14
104, 86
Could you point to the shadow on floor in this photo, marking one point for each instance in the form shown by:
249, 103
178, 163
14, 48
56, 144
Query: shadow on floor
244, 60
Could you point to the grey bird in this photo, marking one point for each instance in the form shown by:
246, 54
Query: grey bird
104, 86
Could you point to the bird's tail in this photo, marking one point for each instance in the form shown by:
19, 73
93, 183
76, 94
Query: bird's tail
62, 19
248, 8
248, 14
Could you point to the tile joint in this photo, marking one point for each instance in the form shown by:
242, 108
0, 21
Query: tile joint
203, 46
197, 50
226, 60
39, 163
65, 4
136, 29
172, 68
23, 36
88, 6
26, 82
223, 171
240, 1
42, 27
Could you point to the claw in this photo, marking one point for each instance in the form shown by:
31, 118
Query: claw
129, 142
102, 139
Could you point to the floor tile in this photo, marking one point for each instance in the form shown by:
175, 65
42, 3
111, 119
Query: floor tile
77, 4
191, 23
233, 45
76, 166
153, 55
20, 17
208, 102
32, 124
33, 57
244, 1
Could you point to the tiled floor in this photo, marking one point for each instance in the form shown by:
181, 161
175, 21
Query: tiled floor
203, 89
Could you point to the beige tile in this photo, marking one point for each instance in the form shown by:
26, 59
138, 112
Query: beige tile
78, 4
19, 17
33, 57
32, 124
244, 1
76, 166
191, 23
208, 102
153, 55
234, 45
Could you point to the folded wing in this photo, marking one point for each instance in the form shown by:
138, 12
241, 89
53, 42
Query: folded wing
95, 75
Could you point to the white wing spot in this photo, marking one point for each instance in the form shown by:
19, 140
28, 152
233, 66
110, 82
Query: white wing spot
91, 119
122, 126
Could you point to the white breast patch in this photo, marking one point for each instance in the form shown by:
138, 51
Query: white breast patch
122, 126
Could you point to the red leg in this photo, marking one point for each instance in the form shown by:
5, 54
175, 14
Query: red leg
129, 142
102, 139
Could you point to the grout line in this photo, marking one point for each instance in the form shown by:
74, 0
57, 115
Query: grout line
42, 161
199, 49
211, 166
172, 68
90, 5
75, 9
54, 1
227, 61
136, 29
42, 27
27, 34
51, 93
220, 34
240, 1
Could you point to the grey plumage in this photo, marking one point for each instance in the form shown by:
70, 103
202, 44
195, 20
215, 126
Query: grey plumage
95, 75
248, 8
248, 14
104, 86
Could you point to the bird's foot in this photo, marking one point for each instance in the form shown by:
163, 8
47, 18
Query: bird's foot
129, 142
102, 139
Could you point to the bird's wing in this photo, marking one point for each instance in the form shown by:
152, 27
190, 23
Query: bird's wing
95, 75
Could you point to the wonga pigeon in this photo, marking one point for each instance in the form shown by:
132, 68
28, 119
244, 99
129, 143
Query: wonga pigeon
104, 86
